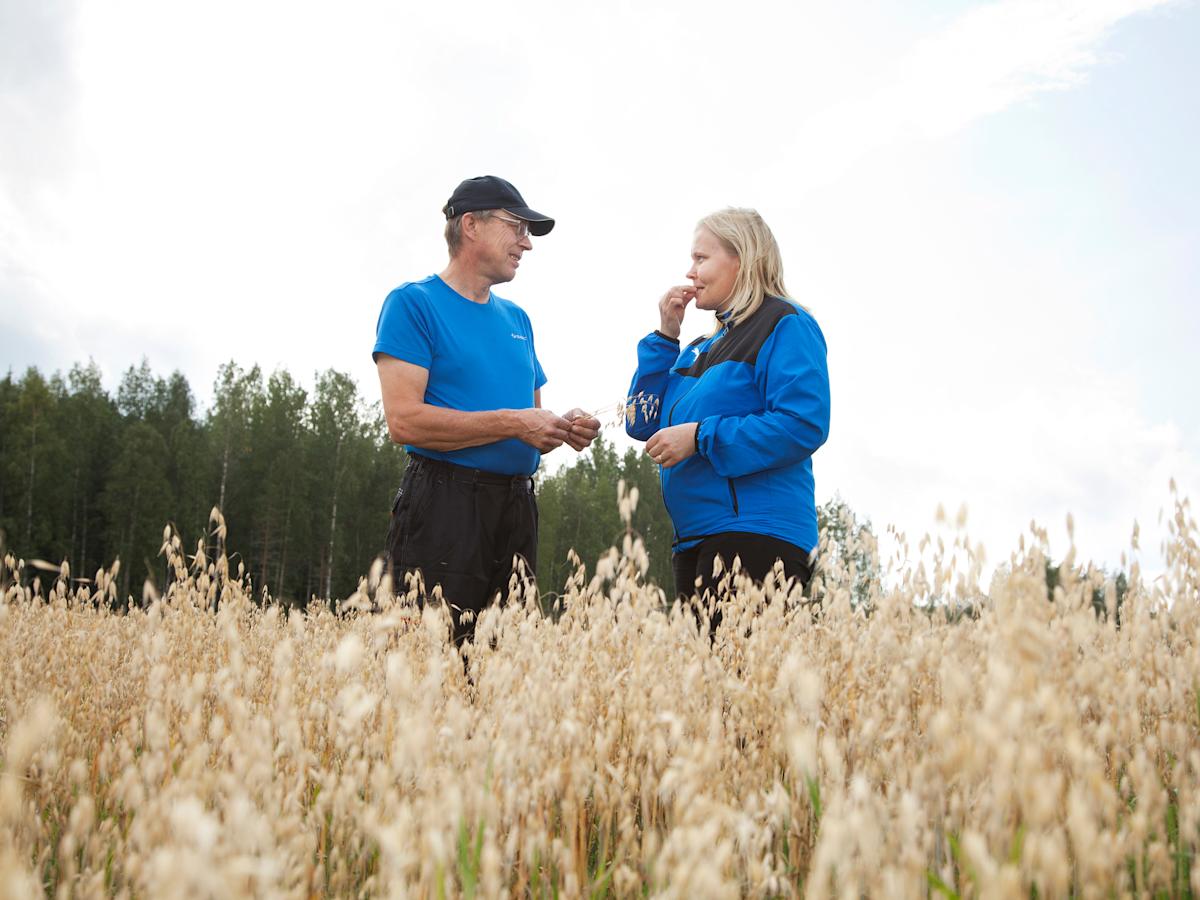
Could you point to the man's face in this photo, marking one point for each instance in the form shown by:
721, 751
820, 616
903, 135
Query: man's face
501, 245
714, 271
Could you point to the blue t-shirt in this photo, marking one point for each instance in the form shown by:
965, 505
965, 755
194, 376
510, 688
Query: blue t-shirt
480, 356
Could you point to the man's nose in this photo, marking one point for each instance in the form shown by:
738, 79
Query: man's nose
527, 242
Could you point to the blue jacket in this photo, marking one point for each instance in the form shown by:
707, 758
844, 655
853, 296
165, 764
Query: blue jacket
760, 392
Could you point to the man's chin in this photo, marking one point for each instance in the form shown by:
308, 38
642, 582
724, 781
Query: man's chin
500, 276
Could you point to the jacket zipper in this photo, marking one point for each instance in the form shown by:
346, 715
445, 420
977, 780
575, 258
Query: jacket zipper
663, 494
670, 417
675, 405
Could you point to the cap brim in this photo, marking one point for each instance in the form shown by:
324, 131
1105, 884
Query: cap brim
539, 225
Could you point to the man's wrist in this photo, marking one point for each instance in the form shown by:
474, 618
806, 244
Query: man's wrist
510, 423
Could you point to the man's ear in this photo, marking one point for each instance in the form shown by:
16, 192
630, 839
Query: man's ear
470, 226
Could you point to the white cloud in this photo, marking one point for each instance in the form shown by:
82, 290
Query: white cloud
1002, 53
988, 59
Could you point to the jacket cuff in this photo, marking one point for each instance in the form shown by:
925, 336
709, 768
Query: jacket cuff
699, 442
665, 337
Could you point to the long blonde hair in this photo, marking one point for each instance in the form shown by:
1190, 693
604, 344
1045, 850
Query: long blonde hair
743, 233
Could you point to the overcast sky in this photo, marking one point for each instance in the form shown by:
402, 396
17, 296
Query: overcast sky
991, 208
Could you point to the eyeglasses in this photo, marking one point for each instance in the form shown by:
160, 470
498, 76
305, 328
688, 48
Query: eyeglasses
520, 226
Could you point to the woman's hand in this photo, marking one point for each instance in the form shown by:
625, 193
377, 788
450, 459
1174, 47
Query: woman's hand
671, 308
671, 446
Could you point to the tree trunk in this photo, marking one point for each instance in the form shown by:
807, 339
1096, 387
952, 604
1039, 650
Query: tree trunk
29, 495
214, 548
74, 560
287, 521
266, 548
83, 560
224, 475
131, 542
332, 533
337, 456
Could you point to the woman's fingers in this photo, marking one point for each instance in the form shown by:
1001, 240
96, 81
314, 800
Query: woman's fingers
672, 445
672, 306
680, 296
658, 449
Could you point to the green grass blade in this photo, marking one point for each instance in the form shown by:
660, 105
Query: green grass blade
814, 797
940, 886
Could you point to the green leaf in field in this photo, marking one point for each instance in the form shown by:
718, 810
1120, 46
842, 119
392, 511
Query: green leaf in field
956, 849
470, 851
478, 854
814, 797
940, 886
600, 882
461, 844
1018, 845
1181, 854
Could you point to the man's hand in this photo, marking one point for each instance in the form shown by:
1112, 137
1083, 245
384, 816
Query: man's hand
584, 428
671, 308
542, 429
671, 446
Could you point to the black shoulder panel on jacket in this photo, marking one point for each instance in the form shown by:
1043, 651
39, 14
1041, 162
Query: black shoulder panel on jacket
742, 343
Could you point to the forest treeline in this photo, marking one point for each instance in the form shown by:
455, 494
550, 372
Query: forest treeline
305, 480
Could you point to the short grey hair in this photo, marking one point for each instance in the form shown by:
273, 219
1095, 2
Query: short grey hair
454, 227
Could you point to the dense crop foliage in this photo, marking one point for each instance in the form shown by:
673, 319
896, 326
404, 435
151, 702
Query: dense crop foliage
207, 745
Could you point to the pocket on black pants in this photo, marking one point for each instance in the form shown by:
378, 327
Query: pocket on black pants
442, 523
400, 521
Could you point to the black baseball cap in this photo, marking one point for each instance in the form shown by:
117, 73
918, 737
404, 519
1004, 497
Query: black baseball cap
490, 192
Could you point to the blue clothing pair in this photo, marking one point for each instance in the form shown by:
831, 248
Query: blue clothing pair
480, 356
760, 393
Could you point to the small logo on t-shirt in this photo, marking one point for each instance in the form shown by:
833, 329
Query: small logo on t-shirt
695, 353
519, 337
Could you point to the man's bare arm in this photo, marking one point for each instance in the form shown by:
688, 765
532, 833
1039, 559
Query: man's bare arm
411, 420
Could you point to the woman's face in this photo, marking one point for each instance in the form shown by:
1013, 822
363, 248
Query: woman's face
713, 272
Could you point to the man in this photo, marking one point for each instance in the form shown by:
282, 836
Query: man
461, 388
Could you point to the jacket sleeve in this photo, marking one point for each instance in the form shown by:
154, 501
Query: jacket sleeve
793, 379
656, 354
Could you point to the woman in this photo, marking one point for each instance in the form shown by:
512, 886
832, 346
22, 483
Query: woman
739, 412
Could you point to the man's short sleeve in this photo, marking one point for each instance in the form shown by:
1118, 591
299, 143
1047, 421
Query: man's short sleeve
539, 377
403, 329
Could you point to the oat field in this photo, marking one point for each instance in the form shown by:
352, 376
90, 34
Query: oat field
945, 739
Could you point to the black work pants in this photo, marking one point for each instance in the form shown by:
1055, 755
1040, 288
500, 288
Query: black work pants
464, 529
758, 554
